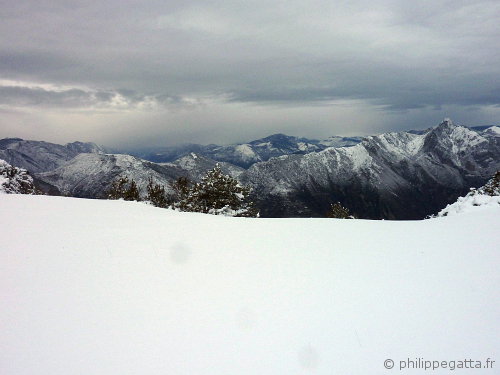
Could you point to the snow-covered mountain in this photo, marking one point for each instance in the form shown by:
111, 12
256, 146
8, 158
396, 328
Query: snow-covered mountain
113, 287
403, 175
39, 156
393, 175
263, 149
82, 169
91, 175
196, 166
246, 154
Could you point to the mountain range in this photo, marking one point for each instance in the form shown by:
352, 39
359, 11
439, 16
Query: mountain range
392, 175
246, 154
404, 175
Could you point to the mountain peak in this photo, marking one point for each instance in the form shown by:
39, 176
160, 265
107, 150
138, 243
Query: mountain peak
446, 123
445, 127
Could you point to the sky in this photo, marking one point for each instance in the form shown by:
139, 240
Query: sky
126, 73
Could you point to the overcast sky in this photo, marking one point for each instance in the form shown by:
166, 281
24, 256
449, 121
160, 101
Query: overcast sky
136, 73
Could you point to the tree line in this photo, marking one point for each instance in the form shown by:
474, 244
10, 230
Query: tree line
216, 194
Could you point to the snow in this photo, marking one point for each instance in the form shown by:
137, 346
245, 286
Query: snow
400, 145
3, 181
464, 138
115, 287
187, 162
357, 154
91, 174
336, 141
493, 130
486, 197
302, 146
415, 144
471, 203
264, 144
245, 151
15, 180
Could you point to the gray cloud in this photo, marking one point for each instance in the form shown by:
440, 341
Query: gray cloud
53, 97
195, 62
23, 96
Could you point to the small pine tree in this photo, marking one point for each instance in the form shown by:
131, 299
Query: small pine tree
156, 194
123, 188
337, 211
218, 194
181, 187
117, 189
132, 193
492, 187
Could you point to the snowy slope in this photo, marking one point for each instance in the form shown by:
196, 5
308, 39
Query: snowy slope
38, 156
493, 131
471, 202
91, 175
197, 166
114, 287
484, 198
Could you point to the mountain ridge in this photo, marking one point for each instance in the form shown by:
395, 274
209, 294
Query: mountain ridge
396, 175
246, 154
392, 175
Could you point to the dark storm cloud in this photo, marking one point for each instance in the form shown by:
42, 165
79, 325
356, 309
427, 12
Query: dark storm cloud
395, 55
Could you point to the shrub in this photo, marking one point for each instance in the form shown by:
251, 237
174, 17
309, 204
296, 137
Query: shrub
337, 211
125, 189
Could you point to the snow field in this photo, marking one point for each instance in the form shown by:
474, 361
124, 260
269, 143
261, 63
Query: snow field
114, 287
